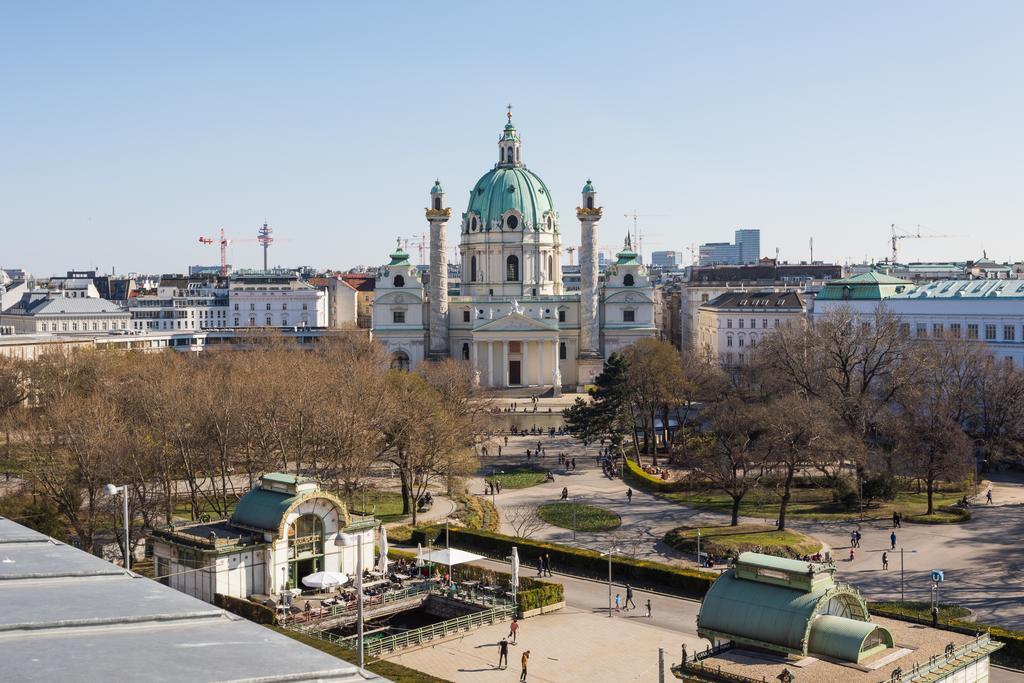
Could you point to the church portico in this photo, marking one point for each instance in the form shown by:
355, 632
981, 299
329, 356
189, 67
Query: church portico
516, 351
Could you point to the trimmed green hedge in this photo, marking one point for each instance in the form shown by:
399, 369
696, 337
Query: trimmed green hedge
641, 573
247, 609
1011, 654
636, 477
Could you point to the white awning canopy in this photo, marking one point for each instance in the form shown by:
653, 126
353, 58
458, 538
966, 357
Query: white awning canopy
450, 556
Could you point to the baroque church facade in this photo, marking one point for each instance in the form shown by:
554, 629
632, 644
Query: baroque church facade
511, 317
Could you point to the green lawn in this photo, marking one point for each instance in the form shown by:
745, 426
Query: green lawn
921, 610
387, 505
725, 541
813, 503
519, 476
587, 517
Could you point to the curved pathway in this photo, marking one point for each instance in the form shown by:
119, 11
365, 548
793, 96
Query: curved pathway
982, 559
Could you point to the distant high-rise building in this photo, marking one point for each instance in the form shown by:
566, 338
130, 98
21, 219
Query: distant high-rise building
746, 249
719, 253
749, 242
668, 260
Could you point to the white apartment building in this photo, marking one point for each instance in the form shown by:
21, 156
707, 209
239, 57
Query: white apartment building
731, 326
275, 298
181, 303
53, 312
989, 311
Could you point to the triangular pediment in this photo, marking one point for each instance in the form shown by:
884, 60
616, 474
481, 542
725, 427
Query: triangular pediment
516, 322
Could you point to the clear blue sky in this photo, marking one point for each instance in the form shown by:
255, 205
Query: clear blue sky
129, 129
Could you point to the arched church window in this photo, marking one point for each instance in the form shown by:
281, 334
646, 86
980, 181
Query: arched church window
551, 266
399, 281
512, 269
627, 280
437, 202
400, 361
512, 222
465, 352
473, 224
511, 155
472, 266
590, 202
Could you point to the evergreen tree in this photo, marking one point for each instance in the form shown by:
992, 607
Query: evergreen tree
607, 414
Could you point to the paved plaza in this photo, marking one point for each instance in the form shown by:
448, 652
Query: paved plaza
569, 645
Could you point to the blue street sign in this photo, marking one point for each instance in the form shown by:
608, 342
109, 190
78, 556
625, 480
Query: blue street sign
938, 576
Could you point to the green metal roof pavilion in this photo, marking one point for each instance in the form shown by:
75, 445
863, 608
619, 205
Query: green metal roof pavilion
791, 607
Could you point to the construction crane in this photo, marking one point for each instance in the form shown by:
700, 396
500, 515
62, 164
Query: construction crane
897, 233
420, 242
637, 234
224, 242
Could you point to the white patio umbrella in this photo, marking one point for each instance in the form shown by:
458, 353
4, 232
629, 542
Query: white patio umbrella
419, 554
515, 570
325, 579
382, 561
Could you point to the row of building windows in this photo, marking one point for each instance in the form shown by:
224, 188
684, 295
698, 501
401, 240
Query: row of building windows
74, 326
753, 323
956, 331
305, 307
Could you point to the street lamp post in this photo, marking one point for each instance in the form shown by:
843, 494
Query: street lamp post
113, 490
609, 554
699, 563
860, 481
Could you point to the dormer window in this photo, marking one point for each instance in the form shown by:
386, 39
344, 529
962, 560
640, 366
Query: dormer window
399, 281
627, 280
512, 222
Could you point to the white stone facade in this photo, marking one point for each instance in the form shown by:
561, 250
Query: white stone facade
512, 318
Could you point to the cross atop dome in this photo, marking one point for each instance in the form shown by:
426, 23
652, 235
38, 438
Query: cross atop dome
509, 107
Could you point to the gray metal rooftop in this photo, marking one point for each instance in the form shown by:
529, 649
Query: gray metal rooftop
67, 614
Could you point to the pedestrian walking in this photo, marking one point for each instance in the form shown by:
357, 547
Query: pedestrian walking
540, 565
506, 441
502, 653
574, 469
853, 554
618, 602
629, 597
892, 539
895, 519
648, 608
498, 484
899, 520
524, 661
988, 496
629, 495
499, 450
853, 539
885, 561
513, 629
856, 533
547, 564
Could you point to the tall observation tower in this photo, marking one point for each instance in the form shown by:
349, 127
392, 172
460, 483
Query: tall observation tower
265, 240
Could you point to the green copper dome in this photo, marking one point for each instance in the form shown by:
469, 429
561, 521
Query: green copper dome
505, 188
436, 189
399, 257
589, 187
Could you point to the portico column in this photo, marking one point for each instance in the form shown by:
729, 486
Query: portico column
504, 363
541, 350
490, 363
473, 356
526, 363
